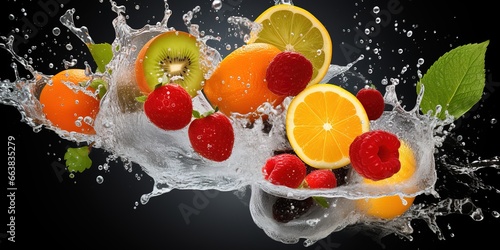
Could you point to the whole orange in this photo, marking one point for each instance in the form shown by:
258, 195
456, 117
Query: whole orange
238, 83
65, 103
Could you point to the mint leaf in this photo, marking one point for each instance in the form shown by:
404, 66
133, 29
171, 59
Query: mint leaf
77, 159
455, 81
102, 54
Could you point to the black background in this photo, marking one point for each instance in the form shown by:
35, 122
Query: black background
78, 213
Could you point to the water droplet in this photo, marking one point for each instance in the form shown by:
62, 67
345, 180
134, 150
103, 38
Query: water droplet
493, 121
404, 69
477, 215
495, 214
376, 9
56, 31
312, 222
12, 17
409, 33
99, 179
78, 122
88, 120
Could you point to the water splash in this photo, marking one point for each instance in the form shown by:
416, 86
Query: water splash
170, 161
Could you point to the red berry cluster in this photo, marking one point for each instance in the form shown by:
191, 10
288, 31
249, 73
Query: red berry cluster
375, 154
288, 73
289, 170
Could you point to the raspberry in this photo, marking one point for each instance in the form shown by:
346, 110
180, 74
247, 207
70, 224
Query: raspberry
373, 102
374, 155
321, 178
288, 73
285, 169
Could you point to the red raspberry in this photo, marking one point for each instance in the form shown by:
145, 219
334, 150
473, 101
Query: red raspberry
285, 169
321, 178
372, 101
374, 155
288, 73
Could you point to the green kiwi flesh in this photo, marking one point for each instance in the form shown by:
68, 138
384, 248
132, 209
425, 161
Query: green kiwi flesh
174, 56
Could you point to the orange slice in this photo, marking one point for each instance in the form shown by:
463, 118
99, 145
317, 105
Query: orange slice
321, 123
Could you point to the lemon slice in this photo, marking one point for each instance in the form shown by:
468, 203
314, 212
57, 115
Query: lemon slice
291, 28
321, 123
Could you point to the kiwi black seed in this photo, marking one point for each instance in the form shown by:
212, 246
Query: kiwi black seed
173, 56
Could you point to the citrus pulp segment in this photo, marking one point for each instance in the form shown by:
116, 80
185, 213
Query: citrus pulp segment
321, 123
291, 28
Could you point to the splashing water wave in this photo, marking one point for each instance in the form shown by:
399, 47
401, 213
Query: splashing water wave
123, 130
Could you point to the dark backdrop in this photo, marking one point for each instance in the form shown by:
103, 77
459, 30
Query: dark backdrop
78, 213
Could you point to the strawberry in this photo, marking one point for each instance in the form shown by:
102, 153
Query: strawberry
374, 154
285, 169
321, 178
373, 102
288, 73
169, 107
212, 136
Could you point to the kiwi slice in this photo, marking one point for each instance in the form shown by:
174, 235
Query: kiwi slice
173, 56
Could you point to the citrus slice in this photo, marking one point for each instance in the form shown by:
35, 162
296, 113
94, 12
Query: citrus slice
321, 123
291, 28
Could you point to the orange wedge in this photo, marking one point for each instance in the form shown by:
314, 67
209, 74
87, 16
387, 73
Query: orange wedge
321, 123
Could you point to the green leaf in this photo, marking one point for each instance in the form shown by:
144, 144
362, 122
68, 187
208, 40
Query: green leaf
196, 114
141, 98
455, 81
321, 201
102, 54
101, 85
77, 159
